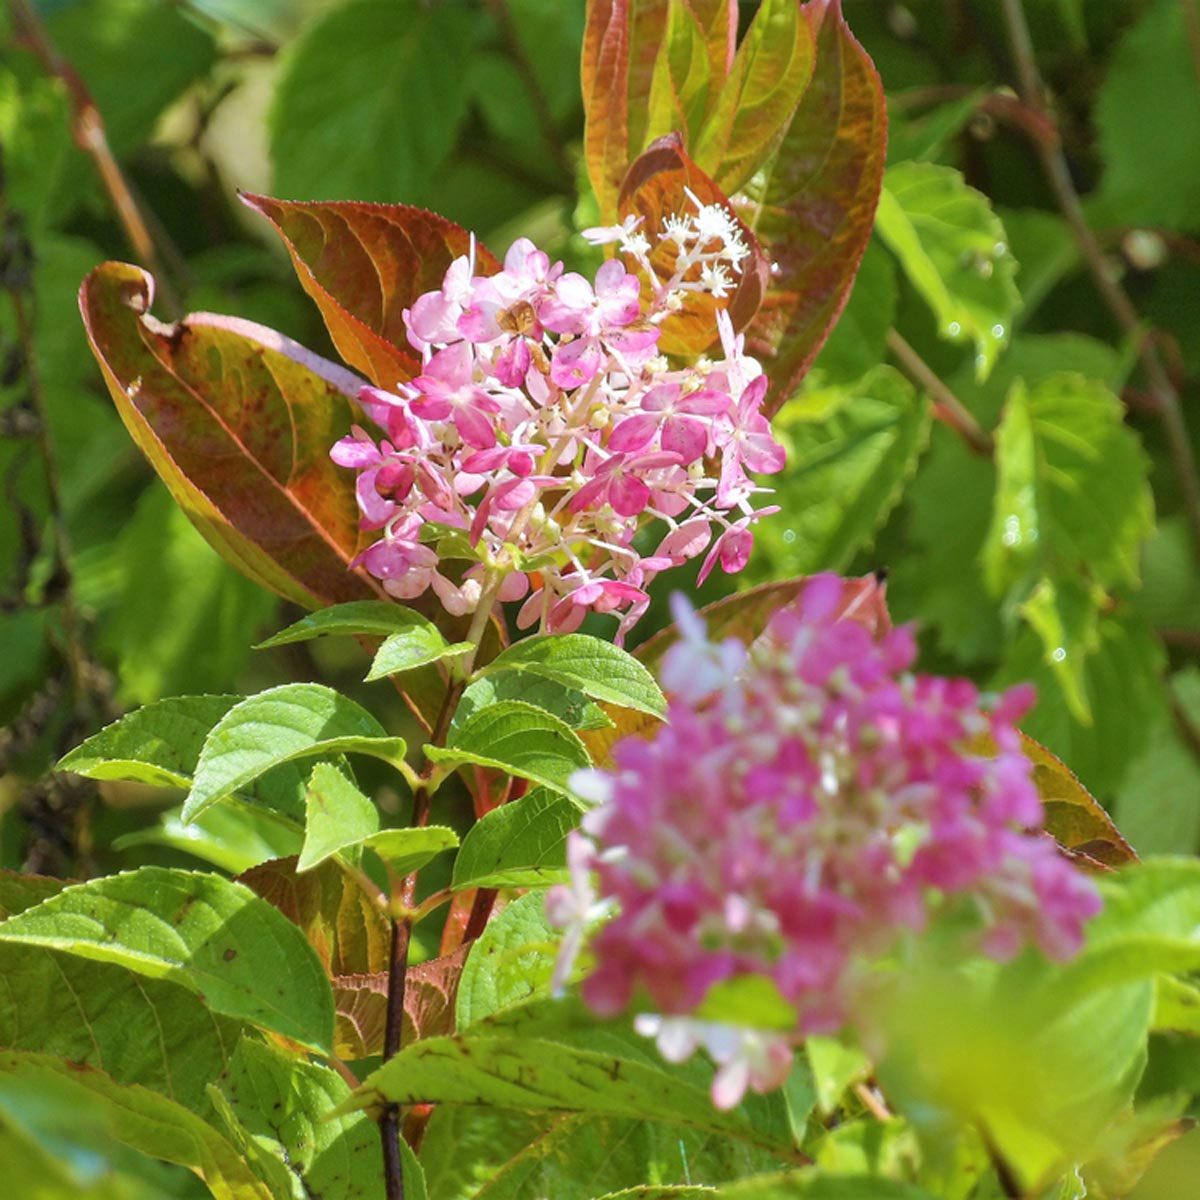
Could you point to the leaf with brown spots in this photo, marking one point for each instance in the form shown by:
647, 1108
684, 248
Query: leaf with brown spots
364, 264
238, 422
657, 187
814, 206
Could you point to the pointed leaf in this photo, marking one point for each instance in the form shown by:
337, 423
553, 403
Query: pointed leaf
364, 264
337, 816
406, 850
379, 618
954, 251
657, 186
284, 1103
417, 646
208, 934
518, 738
238, 422
590, 665
521, 844
814, 206
770, 73
159, 744
295, 720
568, 704
132, 1116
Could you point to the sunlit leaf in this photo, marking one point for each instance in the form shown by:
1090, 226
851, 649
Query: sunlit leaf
520, 844
214, 937
364, 264
238, 422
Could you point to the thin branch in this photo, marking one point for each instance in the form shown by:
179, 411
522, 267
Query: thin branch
87, 128
1058, 175
947, 407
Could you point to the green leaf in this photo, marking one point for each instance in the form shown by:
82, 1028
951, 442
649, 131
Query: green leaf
214, 937
331, 137
1071, 491
379, 618
338, 816
953, 249
812, 1184
233, 837
568, 705
1158, 808
1152, 160
518, 738
859, 339
158, 744
131, 1116
406, 850
1066, 616
510, 963
846, 470
97, 1015
590, 665
284, 1103
414, 647
835, 1066
537, 1063
295, 720
521, 844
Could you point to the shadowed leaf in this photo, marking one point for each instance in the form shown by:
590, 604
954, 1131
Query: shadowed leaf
364, 264
238, 422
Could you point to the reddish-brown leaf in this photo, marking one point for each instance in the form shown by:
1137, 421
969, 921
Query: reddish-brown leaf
656, 187
430, 989
238, 422
816, 205
342, 924
364, 264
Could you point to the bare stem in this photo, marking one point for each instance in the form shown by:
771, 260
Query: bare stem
947, 407
1054, 165
87, 128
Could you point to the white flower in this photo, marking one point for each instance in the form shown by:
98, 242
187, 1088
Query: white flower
715, 279
602, 235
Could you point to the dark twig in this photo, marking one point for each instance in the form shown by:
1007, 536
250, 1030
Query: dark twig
947, 407
87, 128
1058, 175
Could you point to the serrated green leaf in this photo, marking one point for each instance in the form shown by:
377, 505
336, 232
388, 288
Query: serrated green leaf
953, 249
521, 844
570, 706
408, 849
845, 473
518, 738
590, 665
370, 617
135, 1117
1066, 616
415, 647
1158, 808
97, 1014
285, 1102
510, 963
402, 129
158, 744
1152, 169
295, 720
552, 1067
209, 935
1071, 491
338, 817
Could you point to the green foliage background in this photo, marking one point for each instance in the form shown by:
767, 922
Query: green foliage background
1066, 558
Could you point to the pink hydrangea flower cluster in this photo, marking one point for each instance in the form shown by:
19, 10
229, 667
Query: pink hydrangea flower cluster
545, 430
808, 801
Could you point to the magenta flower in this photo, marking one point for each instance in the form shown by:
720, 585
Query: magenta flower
745, 440
809, 802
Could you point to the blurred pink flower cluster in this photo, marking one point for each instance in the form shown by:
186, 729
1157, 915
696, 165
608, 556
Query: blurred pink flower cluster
808, 801
545, 430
